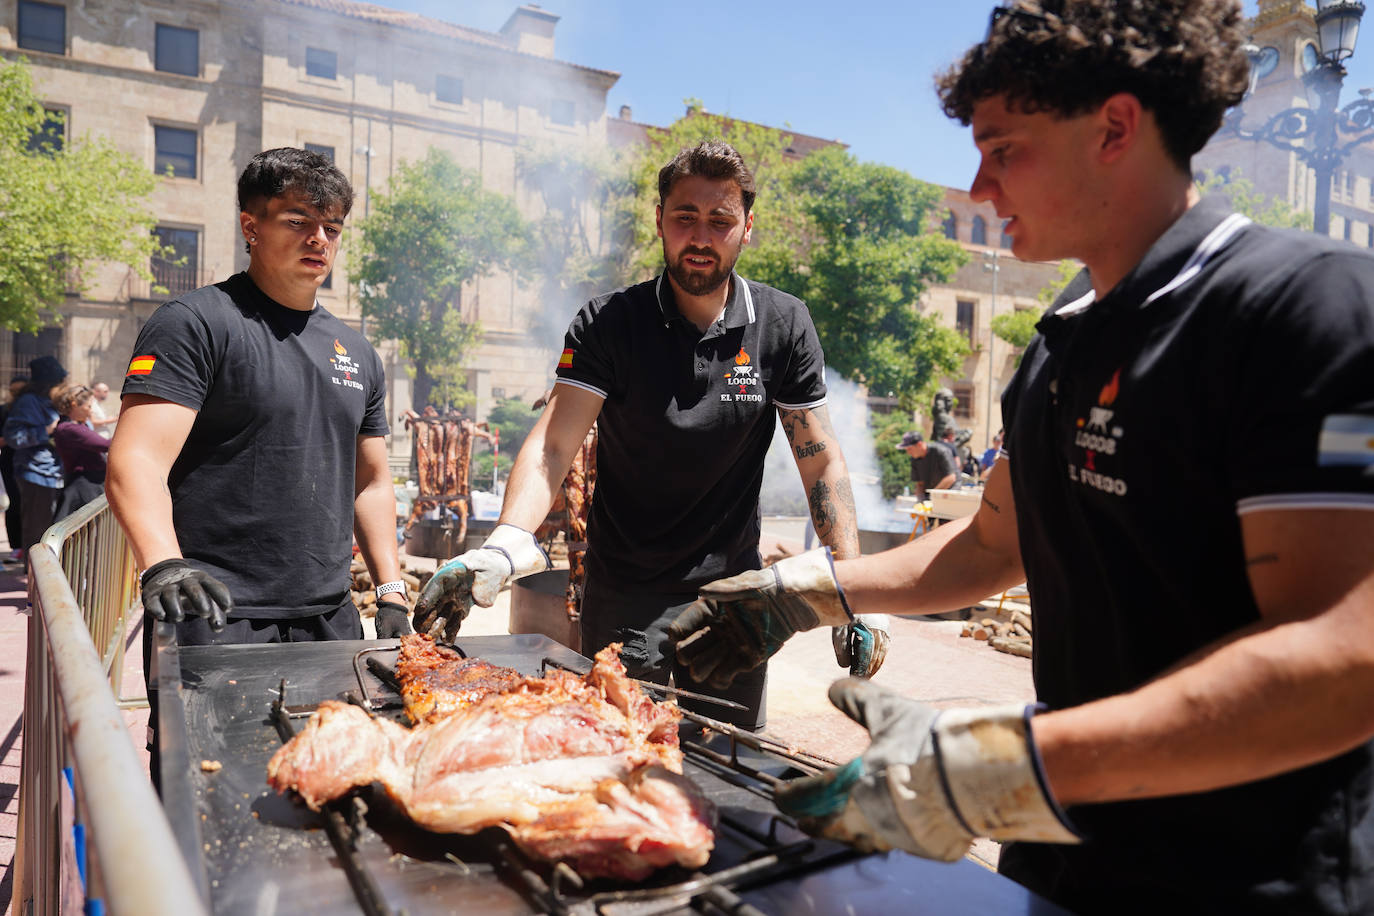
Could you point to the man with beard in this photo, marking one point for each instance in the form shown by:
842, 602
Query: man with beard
680, 373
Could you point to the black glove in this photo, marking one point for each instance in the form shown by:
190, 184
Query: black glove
174, 588
392, 620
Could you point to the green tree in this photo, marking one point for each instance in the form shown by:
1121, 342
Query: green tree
894, 465
1245, 200
582, 242
513, 418
435, 229
61, 207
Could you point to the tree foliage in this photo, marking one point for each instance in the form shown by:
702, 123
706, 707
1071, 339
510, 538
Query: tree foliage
854, 240
1245, 200
582, 242
435, 229
894, 464
61, 207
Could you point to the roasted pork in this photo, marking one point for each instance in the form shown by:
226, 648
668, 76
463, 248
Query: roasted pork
586, 769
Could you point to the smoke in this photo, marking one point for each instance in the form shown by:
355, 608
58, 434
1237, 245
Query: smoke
782, 492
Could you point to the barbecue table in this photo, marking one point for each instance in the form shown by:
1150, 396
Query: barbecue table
260, 853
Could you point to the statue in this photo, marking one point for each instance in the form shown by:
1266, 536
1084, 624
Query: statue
941, 414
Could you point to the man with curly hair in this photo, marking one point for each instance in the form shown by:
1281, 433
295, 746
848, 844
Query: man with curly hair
1204, 637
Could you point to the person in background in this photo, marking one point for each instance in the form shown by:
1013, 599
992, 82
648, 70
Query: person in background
81, 449
990, 455
14, 531
100, 421
28, 428
933, 466
1204, 632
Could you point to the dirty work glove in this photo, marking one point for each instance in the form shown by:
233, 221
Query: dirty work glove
174, 588
931, 781
477, 577
392, 620
736, 624
862, 645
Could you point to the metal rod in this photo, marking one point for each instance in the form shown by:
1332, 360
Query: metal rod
341, 836
802, 759
650, 685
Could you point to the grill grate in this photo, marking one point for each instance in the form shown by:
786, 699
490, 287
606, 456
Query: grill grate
777, 851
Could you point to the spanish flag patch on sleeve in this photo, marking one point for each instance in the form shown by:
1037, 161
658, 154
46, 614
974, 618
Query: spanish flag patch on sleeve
141, 365
565, 361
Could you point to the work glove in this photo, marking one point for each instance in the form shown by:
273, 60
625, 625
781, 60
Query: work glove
736, 624
862, 645
392, 620
931, 781
477, 577
174, 588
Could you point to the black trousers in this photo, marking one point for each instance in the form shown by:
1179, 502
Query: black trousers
639, 622
344, 623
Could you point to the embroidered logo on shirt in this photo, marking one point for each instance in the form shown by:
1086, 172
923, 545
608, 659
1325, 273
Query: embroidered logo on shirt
141, 365
344, 366
565, 361
1347, 440
743, 378
1097, 437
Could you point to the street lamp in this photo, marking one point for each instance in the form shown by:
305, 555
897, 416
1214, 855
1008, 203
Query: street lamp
1321, 135
990, 264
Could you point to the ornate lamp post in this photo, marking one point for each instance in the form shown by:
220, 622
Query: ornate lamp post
1321, 135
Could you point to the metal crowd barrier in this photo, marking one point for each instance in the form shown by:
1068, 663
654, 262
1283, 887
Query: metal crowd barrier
91, 829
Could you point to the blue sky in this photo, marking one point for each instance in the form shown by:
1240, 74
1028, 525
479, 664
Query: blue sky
858, 71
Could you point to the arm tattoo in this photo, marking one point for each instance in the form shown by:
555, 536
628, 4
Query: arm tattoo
822, 508
835, 516
797, 426
992, 505
1264, 559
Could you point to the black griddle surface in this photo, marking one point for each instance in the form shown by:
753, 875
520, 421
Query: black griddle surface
263, 853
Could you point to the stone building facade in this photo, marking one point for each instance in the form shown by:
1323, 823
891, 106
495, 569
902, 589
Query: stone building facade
201, 86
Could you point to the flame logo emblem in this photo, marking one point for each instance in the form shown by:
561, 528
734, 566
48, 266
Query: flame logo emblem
339, 348
741, 358
1110, 390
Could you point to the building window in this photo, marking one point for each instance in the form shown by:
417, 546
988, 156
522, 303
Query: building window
963, 319
321, 63
320, 149
176, 149
42, 27
178, 269
1348, 222
1006, 239
951, 226
963, 402
561, 112
979, 235
51, 137
177, 51
448, 89
1349, 185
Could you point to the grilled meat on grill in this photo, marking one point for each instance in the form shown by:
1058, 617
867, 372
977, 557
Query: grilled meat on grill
580, 768
436, 681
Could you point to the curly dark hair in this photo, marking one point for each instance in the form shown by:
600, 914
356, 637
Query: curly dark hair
713, 159
289, 170
1181, 58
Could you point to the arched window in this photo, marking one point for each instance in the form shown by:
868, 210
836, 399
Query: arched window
951, 226
980, 231
1006, 239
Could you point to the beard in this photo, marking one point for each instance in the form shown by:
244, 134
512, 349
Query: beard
695, 282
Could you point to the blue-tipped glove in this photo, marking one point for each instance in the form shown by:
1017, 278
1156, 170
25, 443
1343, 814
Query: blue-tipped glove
174, 588
739, 623
931, 781
477, 577
862, 645
393, 620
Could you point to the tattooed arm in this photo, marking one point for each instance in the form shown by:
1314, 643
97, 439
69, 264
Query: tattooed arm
825, 477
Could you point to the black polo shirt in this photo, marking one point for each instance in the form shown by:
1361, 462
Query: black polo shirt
937, 464
685, 426
1231, 371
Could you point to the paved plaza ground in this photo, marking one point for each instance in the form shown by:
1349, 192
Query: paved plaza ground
928, 661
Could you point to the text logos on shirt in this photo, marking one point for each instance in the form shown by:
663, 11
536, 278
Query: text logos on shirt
742, 379
344, 367
1096, 436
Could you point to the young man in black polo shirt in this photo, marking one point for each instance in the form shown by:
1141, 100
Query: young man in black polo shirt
250, 448
683, 375
1204, 639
